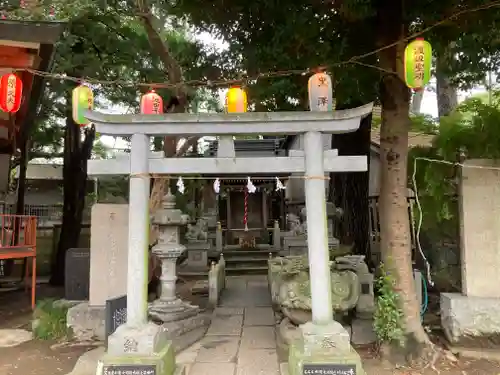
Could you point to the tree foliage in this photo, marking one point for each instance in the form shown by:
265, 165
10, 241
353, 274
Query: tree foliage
300, 34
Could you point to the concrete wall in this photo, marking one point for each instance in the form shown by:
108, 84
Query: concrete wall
480, 229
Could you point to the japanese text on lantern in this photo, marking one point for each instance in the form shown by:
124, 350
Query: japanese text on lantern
156, 105
322, 81
322, 100
419, 58
11, 91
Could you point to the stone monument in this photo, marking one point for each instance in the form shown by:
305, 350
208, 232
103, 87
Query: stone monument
183, 322
474, 314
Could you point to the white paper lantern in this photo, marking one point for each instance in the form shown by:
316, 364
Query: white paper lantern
320, 93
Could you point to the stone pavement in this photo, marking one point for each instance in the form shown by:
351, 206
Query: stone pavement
241, 339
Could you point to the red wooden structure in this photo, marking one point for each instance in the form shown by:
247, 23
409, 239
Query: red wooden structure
18, 241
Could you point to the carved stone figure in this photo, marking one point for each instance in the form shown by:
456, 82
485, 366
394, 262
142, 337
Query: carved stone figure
290, 288
296, 227
197, 232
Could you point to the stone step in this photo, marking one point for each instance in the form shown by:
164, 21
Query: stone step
246, 270
248, 253
247, 259
193, 275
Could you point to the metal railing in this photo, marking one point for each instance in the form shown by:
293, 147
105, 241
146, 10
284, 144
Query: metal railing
47, 214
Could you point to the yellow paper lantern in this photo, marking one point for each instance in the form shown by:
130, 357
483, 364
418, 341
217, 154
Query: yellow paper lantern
236, 100
83, 98
418, 62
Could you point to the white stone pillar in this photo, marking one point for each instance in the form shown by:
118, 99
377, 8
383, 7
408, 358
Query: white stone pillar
317, 233
138, 231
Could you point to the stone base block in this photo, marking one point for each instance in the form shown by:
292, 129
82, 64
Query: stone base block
163, 362
322, 345
362, 332
288, 333
184, 333
86, 322
468, 321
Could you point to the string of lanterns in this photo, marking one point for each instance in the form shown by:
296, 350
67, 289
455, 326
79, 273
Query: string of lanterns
417, 73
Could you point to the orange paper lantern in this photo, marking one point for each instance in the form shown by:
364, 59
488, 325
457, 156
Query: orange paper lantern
11, 93
151, 103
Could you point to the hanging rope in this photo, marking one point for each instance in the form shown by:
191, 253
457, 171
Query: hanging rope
245, 215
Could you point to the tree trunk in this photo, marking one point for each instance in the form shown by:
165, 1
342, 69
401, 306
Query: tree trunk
349, 190
394, 218
76, 155
416, 101
21, 192
446, 93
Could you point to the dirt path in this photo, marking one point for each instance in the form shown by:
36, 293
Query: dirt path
37, 358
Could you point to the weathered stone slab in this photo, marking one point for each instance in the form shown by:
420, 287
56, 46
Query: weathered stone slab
362, 332
257, 361
228, 311
258, 338
14, 337
212, 369
259, 316
467, 318
226, 326
218, 349
108, 252
188, 355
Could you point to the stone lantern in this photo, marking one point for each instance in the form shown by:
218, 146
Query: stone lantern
169, 307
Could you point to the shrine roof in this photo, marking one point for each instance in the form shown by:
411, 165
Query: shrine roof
26, 45
42, 32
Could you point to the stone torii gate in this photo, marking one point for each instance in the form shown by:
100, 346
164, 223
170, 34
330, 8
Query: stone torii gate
313, 161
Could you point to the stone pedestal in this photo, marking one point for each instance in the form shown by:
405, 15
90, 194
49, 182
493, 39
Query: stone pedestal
183, 323
197, 255
327, 344
297, 245
146, 345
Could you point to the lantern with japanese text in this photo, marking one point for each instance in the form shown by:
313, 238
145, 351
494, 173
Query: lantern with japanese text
11, 93
151, 104
418, 59
320, 93
83, 99
236, 100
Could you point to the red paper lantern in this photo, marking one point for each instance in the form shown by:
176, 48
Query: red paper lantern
151, 103
11, 93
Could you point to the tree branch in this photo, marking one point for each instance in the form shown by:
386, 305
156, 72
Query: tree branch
192, 141
171, 66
